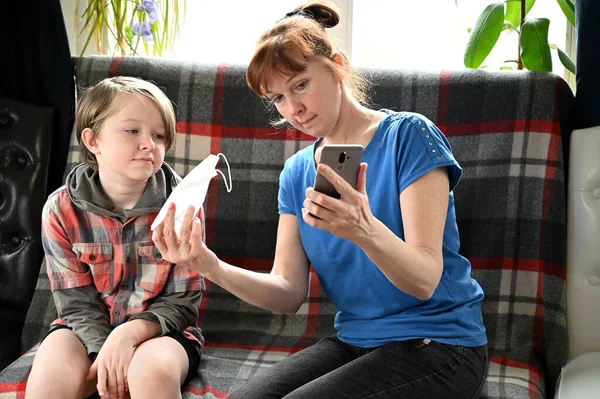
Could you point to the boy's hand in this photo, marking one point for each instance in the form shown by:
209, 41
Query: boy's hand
111, 365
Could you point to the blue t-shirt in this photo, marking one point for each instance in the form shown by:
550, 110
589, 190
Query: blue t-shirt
371, 310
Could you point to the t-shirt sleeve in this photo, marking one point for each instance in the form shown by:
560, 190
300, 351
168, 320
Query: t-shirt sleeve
422, 148
285, 197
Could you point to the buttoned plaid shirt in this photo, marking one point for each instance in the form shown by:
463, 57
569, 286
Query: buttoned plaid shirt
119, 259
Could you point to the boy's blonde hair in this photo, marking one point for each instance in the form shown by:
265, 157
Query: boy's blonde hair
98, 103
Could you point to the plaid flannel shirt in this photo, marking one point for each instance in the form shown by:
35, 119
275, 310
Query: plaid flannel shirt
122, 263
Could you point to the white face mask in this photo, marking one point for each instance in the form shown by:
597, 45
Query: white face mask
192, 190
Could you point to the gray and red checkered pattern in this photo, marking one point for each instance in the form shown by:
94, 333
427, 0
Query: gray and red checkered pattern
507, 130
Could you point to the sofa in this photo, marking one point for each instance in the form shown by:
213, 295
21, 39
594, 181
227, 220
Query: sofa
510, 132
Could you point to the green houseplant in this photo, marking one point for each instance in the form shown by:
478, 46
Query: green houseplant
129, 27
534, 50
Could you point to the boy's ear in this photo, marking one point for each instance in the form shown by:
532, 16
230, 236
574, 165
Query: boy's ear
87, 136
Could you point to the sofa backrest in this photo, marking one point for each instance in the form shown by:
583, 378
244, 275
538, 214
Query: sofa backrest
507, 130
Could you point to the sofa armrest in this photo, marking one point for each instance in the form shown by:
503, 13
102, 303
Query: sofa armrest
583, 252
579, 378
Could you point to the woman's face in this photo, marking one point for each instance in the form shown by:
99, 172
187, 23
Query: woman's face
310, 100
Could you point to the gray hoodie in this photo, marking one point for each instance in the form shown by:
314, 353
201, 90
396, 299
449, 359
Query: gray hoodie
81, 308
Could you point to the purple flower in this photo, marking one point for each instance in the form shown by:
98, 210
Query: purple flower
142, 29
149, 6
152, 17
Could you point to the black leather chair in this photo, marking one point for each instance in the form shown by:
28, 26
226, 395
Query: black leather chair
25, 142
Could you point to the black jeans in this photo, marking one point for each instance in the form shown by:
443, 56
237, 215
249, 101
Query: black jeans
406, 369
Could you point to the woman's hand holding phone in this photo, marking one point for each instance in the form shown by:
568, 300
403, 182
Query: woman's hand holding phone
346, 213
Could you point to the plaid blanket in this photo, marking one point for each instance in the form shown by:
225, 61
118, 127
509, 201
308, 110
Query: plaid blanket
507, 129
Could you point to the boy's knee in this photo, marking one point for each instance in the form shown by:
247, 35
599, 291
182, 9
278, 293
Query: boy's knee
158, 365
50, 375
45, 368
48, 381
146, 371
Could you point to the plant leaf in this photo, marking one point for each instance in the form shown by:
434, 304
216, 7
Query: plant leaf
509, 27
484, 35
535, 49
566, 60
528, 5
87, 42
513, 10
568, 8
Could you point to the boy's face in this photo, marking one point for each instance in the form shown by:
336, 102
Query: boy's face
130, 146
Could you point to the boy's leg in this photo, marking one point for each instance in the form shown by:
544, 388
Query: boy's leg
59, 368
158, 369
296, 370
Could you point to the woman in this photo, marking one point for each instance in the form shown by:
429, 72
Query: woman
409, 322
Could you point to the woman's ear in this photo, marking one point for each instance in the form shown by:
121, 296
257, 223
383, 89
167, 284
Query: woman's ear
87, 136
338, 59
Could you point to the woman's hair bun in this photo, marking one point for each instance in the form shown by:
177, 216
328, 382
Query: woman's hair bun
322, 12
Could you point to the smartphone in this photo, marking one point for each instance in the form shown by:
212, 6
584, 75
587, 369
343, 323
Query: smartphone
344, 159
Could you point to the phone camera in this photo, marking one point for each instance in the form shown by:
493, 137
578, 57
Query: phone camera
342, 157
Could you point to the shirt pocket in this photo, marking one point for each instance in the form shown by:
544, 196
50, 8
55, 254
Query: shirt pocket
153, 270
99, 256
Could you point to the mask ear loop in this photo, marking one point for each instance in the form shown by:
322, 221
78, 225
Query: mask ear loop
230, 185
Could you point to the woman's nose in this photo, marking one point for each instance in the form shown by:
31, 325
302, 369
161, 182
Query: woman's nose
297, 107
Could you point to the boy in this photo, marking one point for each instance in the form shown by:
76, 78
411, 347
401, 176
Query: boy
127, 318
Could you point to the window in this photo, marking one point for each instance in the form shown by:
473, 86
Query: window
424, 34
432, 34
227, 30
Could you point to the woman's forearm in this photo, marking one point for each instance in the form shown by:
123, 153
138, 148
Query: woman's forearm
265, 290
416, 271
